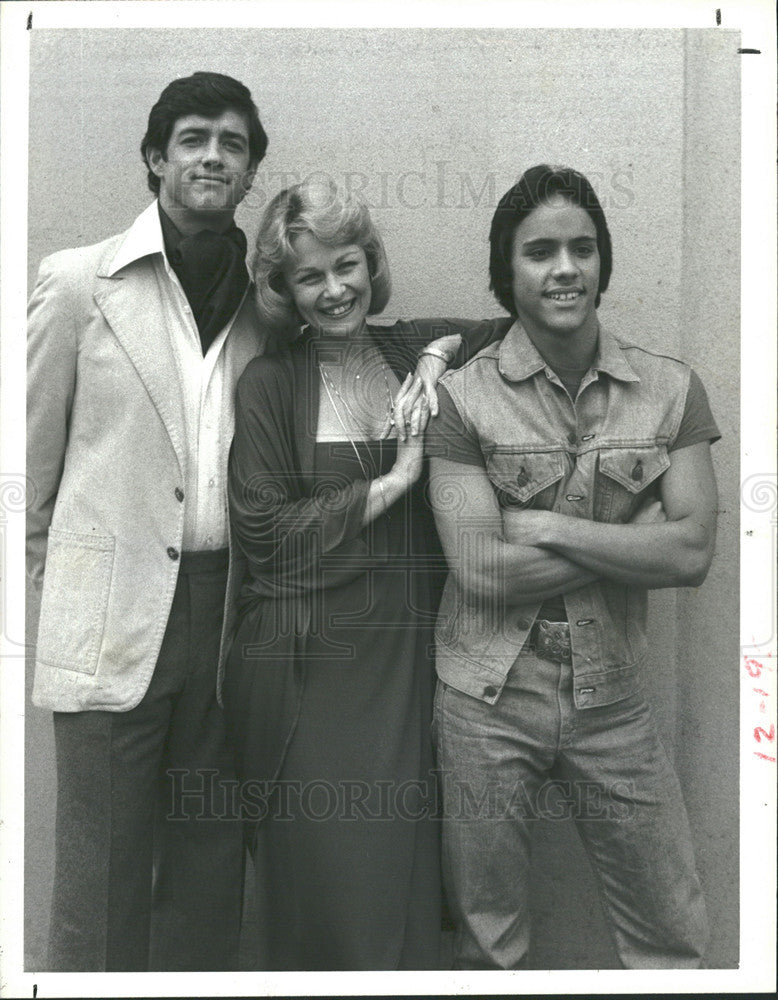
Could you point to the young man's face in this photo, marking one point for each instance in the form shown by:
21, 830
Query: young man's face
205, 168
556, 268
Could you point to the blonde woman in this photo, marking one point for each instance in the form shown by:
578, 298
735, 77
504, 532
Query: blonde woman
329, 684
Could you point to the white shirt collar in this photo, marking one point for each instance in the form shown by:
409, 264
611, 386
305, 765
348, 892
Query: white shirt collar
144, 237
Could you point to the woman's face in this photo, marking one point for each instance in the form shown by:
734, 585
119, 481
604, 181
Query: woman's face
330, 285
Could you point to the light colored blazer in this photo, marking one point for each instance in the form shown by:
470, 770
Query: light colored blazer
105, 434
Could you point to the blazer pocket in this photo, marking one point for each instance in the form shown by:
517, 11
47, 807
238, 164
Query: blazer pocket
76, 587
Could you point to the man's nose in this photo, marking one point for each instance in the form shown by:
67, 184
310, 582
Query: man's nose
566, 263
212, 152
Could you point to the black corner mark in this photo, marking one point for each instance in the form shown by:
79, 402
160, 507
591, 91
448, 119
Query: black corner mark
718, 17
29, 28
34, 985
750, 52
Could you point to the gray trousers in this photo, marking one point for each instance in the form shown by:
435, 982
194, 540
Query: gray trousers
149, 857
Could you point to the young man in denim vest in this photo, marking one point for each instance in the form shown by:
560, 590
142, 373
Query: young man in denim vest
571, 473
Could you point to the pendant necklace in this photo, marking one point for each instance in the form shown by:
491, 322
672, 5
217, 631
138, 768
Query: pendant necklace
328, 383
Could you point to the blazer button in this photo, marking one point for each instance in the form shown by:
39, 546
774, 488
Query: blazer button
173, 553
489, 691
179, 494
523, 624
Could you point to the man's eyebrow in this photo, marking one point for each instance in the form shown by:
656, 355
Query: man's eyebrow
544, 240
199, 130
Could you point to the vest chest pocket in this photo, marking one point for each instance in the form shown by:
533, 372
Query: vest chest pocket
525, 479
626, 478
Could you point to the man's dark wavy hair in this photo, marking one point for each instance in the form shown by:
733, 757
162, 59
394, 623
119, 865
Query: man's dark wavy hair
206, 94
536, 186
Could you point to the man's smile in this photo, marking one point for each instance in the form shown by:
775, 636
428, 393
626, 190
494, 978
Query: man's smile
564, 295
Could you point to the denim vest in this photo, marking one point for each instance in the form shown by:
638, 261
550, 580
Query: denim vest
597, 459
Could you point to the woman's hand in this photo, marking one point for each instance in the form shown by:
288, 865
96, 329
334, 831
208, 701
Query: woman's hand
411, 422
410, 411
420, 401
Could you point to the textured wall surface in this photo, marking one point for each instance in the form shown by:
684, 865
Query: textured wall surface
433, 126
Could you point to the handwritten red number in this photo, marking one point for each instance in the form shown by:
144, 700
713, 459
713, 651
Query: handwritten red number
768, 735
753, 668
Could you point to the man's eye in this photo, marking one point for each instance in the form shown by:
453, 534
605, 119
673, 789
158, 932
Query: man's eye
585, 251
538, 254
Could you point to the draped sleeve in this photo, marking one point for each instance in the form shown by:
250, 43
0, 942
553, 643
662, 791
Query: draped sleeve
283, 524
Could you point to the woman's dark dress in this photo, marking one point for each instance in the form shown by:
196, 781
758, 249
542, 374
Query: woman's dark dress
329, 684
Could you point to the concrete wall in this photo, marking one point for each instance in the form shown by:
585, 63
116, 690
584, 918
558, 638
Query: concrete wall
433, 126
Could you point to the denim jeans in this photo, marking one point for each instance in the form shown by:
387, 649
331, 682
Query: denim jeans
609, 772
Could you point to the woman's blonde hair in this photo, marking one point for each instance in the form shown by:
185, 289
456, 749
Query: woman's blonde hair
335, 219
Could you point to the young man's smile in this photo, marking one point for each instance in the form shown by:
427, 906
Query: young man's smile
556, 269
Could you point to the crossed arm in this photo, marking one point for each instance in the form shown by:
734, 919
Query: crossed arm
530, 555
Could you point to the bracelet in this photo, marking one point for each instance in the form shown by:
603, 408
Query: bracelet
435, 352
380, 482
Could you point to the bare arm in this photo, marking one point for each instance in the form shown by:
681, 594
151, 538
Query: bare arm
675, 553
470, 525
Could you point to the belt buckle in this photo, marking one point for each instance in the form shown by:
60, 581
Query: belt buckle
552, 641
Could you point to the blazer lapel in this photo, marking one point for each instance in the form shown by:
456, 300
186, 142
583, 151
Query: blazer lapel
132, 307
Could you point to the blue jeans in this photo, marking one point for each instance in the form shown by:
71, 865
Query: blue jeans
533, 755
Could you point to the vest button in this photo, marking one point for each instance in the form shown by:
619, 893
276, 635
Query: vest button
173, 553
179, 493
523, 624
489, 691
637, 471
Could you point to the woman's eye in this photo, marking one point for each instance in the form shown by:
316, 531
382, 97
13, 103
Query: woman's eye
538, 254
585, 251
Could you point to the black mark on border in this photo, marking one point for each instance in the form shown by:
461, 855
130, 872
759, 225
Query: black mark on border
29, 21
718, 17
750, 52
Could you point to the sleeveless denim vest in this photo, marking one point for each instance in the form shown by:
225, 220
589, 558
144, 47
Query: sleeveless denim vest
599, 458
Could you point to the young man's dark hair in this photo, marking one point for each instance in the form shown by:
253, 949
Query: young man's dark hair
202, 93
536, 185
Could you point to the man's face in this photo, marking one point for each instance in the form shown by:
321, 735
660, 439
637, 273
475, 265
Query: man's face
206, 165
556, 268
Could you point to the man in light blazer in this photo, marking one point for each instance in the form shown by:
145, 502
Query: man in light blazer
135, 346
